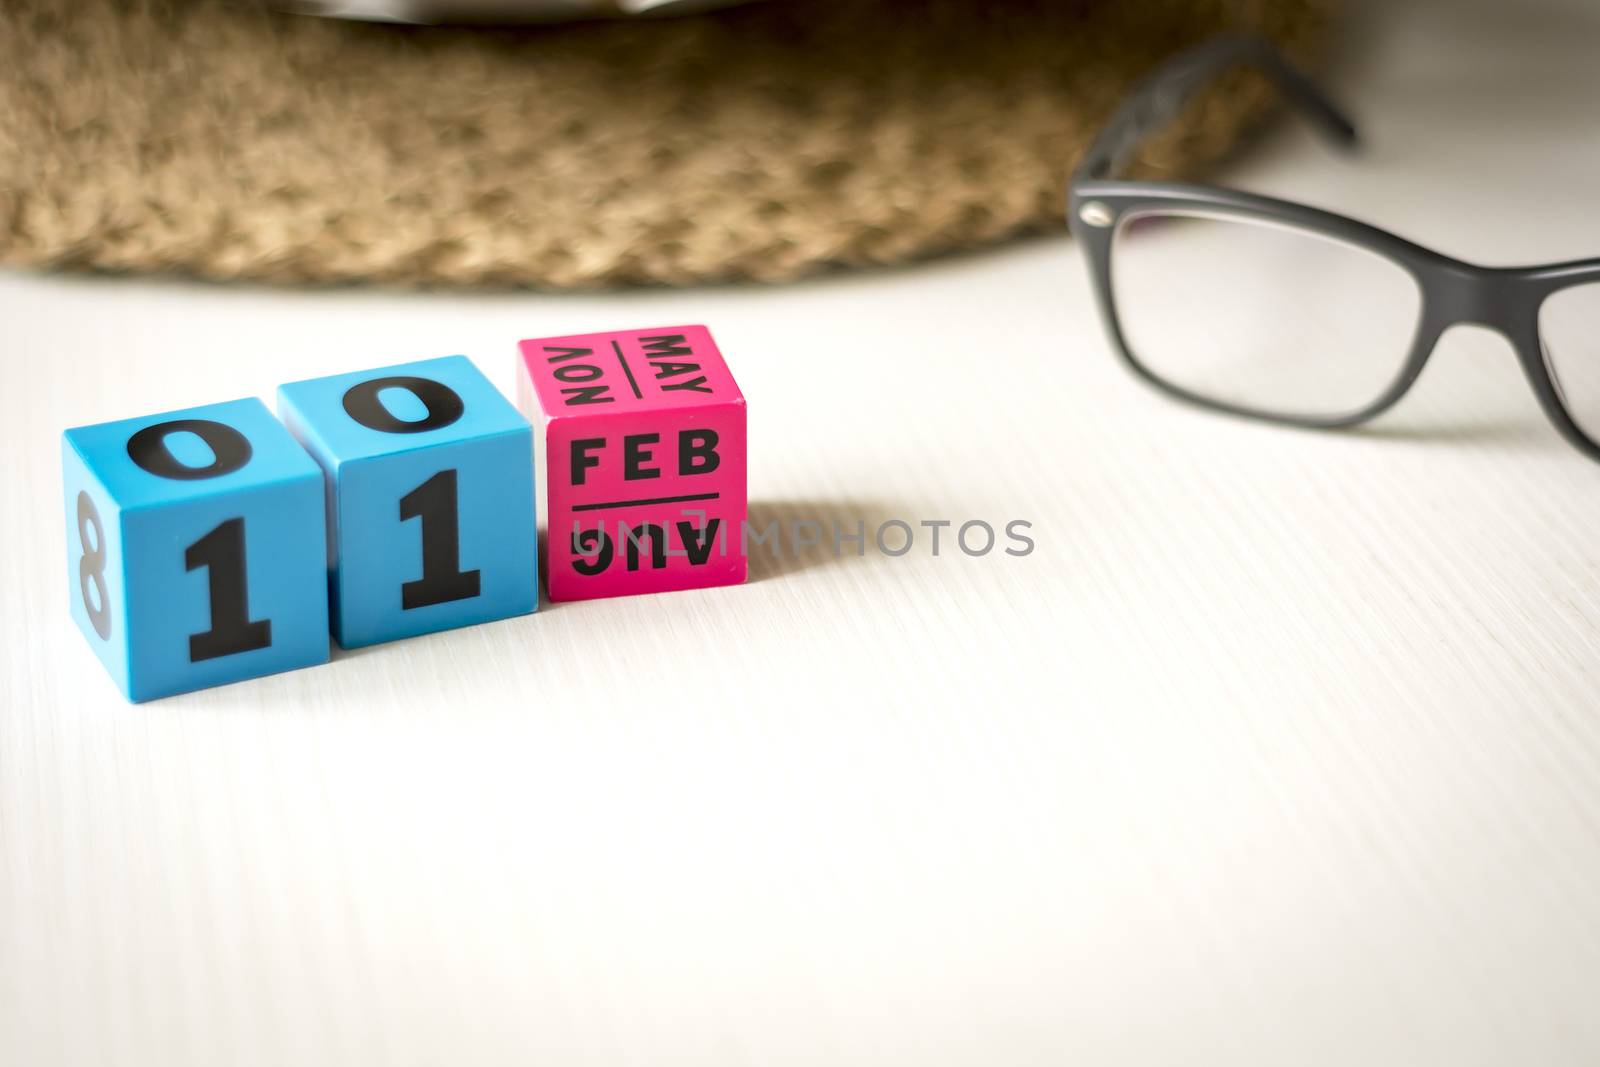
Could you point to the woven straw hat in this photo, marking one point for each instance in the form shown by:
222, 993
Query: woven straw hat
763, 142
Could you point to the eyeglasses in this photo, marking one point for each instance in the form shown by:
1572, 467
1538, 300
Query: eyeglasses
1278, 311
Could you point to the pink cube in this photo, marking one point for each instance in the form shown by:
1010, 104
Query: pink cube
643, 433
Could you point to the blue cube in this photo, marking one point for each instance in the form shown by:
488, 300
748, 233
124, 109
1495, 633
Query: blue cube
430, 497
196, 547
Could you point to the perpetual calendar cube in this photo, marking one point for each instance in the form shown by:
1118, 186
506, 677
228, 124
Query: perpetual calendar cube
195, 547
643, 433
430, 489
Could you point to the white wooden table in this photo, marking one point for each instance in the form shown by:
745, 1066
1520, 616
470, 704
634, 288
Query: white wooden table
1281, 747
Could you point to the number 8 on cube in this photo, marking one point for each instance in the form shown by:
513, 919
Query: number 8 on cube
195, 547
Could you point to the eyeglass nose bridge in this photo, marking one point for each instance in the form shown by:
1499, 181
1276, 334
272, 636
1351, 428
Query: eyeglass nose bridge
1457, 294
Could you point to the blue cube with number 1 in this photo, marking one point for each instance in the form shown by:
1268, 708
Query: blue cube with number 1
430, 497
195, 547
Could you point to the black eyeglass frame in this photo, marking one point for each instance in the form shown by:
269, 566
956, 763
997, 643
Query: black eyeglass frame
1452, 292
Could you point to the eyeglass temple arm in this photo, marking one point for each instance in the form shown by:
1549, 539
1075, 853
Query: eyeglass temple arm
1161, 96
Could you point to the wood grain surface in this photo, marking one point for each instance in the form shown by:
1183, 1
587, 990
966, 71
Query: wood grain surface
1281, 747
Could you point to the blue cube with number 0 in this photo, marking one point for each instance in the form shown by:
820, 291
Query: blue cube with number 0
195, 547
430, 497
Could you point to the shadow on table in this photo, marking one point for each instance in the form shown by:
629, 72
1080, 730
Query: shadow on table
1519, 430
789, 536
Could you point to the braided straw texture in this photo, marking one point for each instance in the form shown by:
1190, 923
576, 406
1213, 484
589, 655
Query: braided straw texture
763, 142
